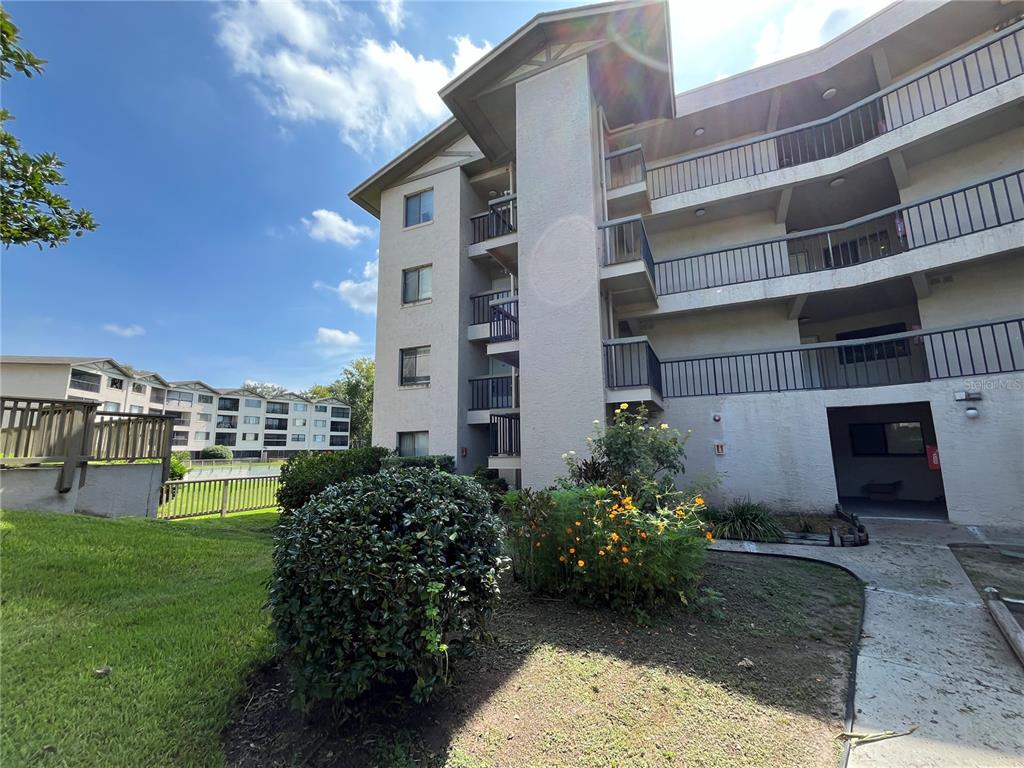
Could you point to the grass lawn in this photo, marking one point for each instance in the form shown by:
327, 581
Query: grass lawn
564, 686
173, 608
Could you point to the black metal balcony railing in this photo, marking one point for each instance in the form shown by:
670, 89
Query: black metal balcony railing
901, 358
977, 69
625, 166
480, 305
504, 434
499, 219
626, 240
632, 364
985, 205
487, 392
505, 320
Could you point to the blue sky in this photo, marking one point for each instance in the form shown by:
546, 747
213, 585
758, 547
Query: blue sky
215, 145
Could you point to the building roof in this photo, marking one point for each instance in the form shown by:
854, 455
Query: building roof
62, 360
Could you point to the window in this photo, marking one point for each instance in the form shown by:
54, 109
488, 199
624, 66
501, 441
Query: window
179, 438
277, 407
275, 440
202, 435
339, 426
109, 406
320, 408
225, 438
895, 438
252, 402
204, 416
415, 366
179, 397
339, 413
115, 383
156, 410
138, 388
883, 350
416, 284
319, 438
250, 419
298, 438
273, 423
419, 208
251, 436
88, 382
298, 422
413, 443
227, 404
339, 440
299, 407
208, 399
227, 422
319, 422
134, 409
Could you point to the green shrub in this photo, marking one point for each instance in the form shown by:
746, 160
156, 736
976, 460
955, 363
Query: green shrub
744, 519
597, 546
306, 474
216, 452
495, 486
442, 461
179, 465
380, 580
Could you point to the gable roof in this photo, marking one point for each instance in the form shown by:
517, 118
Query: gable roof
62, 360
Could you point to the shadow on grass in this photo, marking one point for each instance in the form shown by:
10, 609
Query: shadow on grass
567, 685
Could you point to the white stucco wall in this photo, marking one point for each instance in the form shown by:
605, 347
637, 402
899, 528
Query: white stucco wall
759, 326
968, 165
559, 305
31, 380
989, 290
116, 490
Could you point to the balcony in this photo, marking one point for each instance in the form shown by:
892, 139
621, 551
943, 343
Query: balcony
899, 358
633, 371
988, 205
985, 66
505, 448
628, 269
494, 231
480, 313
503, 330
487, 393
626, 181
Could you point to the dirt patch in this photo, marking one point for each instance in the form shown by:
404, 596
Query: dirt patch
562, 685
993, 566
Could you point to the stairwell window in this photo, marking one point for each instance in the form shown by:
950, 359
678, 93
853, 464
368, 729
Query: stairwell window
417, 284
419, 208
415, 366
413, 443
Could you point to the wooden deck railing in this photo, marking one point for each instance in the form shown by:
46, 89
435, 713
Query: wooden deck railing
190, 498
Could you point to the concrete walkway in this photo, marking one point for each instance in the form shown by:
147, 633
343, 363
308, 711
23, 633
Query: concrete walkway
930, 655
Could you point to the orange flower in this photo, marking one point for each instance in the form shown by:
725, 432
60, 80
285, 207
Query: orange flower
569, 531
643, 534
625, 560
625, 549
709, 536
561, 558
572, 550
580, 563
699, 501
578, 523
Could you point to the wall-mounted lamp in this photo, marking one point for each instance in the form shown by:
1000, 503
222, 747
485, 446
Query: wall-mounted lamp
699, 212
829, 93
838, 181
698, 131
971, 413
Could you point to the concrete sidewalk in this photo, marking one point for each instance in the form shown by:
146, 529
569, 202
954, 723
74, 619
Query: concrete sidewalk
930, 655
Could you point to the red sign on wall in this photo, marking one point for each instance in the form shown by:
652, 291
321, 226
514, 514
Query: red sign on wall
932, 452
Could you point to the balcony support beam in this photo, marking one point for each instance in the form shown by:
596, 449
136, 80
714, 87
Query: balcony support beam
782, 209
796, 306
920, 283
773, 111
899, 168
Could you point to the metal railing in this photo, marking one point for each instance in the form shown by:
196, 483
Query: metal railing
480, 305
504, 434
626, 240
985, 205
189, 498
625, 166
505, 320
632, 363
73, 433
899, 358
84, 385
487, 392
977, 69
498, 220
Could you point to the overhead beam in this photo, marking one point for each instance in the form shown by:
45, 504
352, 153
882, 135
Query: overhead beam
921, 286
899, 169
796, 306
773, 111
881, 63
782, 209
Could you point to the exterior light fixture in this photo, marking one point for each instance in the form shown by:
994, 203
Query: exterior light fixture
838, 181
699, 212
698, 131
829, 93
971, 413
492, 193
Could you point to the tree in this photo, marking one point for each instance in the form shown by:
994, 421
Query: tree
264, 389
355, 389
30, 211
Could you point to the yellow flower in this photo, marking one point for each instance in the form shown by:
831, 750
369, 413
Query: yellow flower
578, 523
628, 500
624, 406
580, 563
600, 552
699, 501
664, 426
615, 536
537, 544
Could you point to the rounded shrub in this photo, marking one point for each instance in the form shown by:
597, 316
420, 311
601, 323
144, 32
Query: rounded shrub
381, 580
306, 474
216, 452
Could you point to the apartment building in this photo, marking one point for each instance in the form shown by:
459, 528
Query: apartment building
251, 425
815, 267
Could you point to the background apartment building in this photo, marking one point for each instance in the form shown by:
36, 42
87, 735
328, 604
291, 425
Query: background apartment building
815, 266
251, 425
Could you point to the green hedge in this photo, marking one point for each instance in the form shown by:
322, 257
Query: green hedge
306, 474
216, 452
442, 461
381, 581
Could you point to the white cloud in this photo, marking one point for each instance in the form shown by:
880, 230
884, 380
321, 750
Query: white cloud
806, 24
125, 331
311, 63
328, 225
393, 12
332, 342
361, 295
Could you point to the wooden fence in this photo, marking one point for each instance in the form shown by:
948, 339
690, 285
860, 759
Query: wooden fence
35, 431
189, 498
